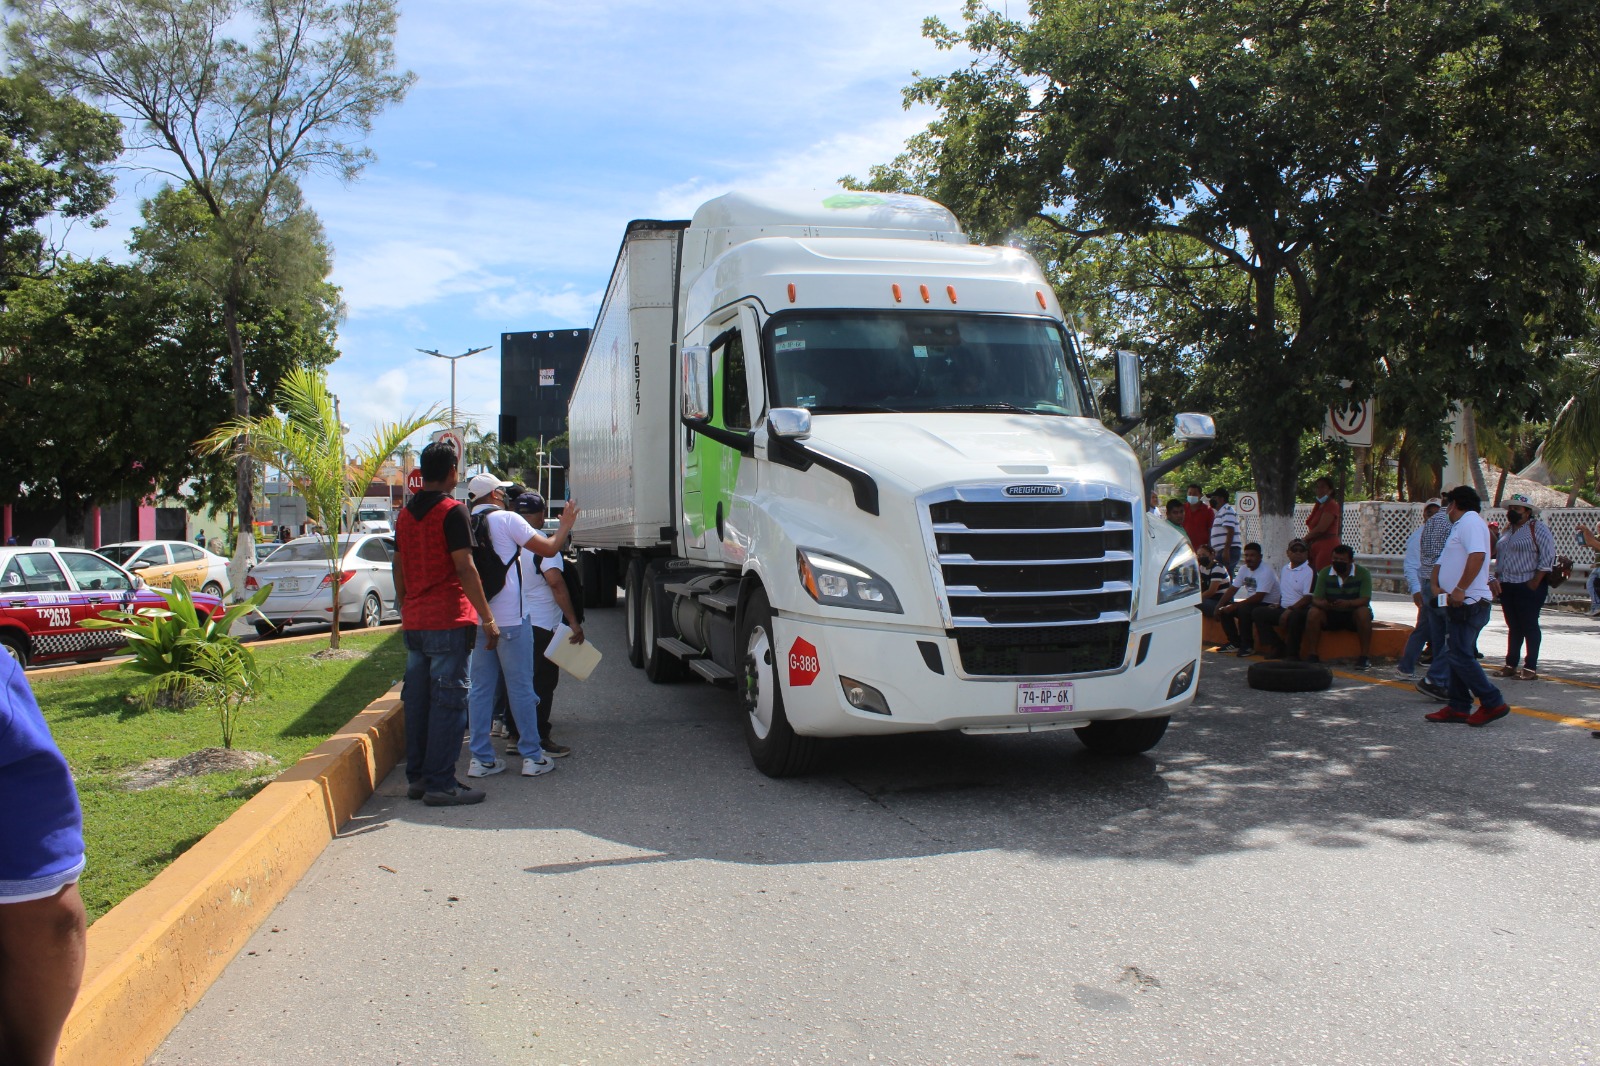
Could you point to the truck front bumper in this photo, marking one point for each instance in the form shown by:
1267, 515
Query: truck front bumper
814, 655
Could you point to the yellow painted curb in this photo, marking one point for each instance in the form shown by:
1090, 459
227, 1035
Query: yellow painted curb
152, 956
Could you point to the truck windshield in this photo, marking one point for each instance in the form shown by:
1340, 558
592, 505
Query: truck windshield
919, 361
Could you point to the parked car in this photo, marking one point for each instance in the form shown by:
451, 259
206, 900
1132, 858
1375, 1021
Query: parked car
266, 548
47, 592
302, 586
159, 561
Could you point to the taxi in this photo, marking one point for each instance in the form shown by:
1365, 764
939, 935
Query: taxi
159, 561
47, 592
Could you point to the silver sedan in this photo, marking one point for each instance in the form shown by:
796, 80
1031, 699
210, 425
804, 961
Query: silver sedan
302, 582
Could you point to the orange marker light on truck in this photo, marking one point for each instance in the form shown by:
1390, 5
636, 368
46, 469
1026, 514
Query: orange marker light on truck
925, 297
896, 289
951, 289
791, 292
1037, 295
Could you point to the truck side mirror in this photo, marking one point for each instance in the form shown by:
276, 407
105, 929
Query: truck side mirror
696, 396
1130, 405
789, 423
1193, 428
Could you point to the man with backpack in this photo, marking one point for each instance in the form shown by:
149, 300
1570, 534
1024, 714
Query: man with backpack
499, 538
547, 599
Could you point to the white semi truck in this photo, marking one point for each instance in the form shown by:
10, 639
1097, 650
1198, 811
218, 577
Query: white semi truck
851, 464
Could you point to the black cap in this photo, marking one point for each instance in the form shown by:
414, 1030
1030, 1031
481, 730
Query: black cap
528, 503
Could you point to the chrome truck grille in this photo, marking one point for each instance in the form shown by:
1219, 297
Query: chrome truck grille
1035, 587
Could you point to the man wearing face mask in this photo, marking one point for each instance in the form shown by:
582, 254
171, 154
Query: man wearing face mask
1197, 518
1526, 554
1341, 599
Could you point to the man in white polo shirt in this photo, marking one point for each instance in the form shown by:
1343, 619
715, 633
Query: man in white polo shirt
1294, 605
1462, 576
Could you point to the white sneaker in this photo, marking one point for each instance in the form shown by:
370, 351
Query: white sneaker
535, 767
478, 769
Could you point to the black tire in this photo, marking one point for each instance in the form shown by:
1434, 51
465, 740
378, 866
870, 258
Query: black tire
371, 611
608, 576
589, 575
16, 647
1284, 675
775, 748
655, 620
632, 604
267, 630
211, 588
1130, 736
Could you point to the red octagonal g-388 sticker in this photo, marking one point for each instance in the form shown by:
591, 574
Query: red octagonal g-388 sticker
803, 665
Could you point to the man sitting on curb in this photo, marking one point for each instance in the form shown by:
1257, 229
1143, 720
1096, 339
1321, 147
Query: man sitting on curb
1214, 581
1254, 589
1341, 599
1294, 604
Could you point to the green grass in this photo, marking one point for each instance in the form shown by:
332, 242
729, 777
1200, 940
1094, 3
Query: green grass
131, 836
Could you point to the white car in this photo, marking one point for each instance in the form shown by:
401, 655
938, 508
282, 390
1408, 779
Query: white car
302, 586
159, 561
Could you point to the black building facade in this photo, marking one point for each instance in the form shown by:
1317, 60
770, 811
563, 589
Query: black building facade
537, 372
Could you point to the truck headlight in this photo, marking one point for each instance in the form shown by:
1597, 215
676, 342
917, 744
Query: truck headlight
840, 583
1180, 577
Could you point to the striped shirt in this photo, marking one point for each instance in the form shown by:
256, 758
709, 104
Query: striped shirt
1435, 531
1527, 550
1225, 519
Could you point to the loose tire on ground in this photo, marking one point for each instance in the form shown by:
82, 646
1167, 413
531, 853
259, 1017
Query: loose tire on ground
1283, 675
632, 610
1130, 736
655, 620
775, 748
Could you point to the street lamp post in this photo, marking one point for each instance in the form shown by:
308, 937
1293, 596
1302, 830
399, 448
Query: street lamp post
453, 359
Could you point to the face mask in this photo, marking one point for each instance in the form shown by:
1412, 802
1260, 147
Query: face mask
1322, 499
1341, 567
1193, 500
1515, 517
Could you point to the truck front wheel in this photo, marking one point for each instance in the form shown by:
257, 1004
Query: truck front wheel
1130, 736
774, 746
655, 615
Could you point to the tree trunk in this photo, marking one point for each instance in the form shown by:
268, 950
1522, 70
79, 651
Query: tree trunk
1469, 433
1500, 486
244, 553
1276, 465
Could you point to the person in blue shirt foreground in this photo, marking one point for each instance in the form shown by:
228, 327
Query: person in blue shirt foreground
41, 858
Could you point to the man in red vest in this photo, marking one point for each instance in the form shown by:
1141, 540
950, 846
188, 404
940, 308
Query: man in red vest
441, 600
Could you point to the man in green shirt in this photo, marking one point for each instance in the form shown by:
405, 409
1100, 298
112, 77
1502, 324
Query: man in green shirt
1341, 599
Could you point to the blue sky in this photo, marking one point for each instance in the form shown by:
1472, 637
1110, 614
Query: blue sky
536, 130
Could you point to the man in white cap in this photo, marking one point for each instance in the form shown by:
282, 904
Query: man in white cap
1526, 554
500, 536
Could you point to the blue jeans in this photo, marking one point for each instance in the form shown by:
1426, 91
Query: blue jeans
1467, 678
1428, 632
1594, 584
435, 696
512, 659
1439, 669
1520, 606
1230, 558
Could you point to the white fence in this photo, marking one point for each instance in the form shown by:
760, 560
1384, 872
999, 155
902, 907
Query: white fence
1380, 530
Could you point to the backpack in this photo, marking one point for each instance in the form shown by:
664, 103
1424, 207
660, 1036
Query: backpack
574, 583
491, 568
1560, 572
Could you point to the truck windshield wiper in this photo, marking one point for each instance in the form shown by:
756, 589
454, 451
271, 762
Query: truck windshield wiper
853, 409
997, 405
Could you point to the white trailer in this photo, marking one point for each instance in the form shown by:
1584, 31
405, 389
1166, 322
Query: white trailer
851, 464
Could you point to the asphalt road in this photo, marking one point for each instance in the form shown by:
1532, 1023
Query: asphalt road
1312, 879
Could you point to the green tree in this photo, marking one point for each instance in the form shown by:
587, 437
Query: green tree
53, 154
241, 98
305, 440
1384, 195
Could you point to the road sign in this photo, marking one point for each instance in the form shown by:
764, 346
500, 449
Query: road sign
414, 481
1248, 503
1351, 423
457, 441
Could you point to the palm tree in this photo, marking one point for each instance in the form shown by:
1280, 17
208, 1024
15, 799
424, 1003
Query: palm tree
304, 437
1573, 446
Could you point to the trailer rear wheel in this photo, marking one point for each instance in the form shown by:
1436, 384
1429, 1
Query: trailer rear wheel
632, 612
1130, 736
775, 748
655, 615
